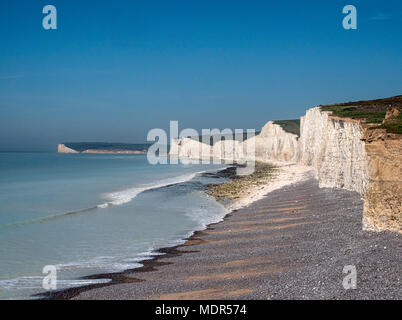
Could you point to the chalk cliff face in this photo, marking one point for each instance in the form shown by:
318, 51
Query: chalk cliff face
61, 148
344, 153
383, 197
187, 148
273, 143
347, 153
230, 150
190, 149
334, 148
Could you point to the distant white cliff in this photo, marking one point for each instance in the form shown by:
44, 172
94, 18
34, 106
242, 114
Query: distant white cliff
272, 143
61, 148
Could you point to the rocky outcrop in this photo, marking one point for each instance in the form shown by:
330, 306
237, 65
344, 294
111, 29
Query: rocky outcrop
61, 148
391, 113
383, 196
350, 154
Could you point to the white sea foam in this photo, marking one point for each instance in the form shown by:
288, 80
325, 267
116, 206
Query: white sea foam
124, 196
115, 198
107, 263
203, 216
36, 282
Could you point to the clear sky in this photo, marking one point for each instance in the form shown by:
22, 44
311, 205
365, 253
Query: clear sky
115, 69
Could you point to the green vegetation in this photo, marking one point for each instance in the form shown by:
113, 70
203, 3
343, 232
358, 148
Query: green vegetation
392, 125
370, 116
240, 186
291, 126
371, 111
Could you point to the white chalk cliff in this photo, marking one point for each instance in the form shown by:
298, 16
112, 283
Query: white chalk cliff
334, 148
272, 143
342, 152
61, 148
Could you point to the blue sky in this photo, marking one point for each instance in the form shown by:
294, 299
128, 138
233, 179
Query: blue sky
115, 69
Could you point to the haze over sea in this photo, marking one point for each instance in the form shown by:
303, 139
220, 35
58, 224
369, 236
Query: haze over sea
88, 214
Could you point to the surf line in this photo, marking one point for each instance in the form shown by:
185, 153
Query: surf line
117, 199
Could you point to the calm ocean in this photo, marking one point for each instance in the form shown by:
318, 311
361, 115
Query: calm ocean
89, 214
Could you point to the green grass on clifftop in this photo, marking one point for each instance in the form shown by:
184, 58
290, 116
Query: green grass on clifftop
291, 126
371, 111
393, 125
374, 116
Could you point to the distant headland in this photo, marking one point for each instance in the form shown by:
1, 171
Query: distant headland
102, 147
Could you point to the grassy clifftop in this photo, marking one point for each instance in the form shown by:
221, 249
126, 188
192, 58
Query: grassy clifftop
291, 126
371, 111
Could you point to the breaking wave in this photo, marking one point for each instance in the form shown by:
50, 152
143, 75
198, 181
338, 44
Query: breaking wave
114, 199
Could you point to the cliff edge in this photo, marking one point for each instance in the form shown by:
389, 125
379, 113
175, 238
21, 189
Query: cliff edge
61, 148
272, 143
355, 146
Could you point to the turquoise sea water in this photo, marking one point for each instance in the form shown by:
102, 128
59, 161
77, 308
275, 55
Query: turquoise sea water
88, 214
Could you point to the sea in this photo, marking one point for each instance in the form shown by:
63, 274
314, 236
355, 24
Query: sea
86, 214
